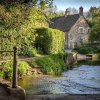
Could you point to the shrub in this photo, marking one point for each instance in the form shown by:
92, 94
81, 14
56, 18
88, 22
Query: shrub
8, 66
32, 63
87, 49
49, 41
7, 69
1, 74
53, 64
22, 68
31, 52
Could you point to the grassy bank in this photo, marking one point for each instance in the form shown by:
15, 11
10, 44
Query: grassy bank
52, 64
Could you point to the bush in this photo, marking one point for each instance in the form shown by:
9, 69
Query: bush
32, 52
32, 64
1, 74
87, 50
22, 68
53, 64
8, 66
7, 69
49, 41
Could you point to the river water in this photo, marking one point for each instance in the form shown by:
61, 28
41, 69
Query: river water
84, 78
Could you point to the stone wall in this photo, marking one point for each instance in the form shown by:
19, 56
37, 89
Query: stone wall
74, 36
17, 93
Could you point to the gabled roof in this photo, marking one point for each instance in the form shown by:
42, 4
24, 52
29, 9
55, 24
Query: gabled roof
64, 23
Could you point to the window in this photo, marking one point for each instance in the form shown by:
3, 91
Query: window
89, 30
81, 30
81, 41
71, 37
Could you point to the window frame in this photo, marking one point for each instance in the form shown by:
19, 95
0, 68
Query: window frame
81, 30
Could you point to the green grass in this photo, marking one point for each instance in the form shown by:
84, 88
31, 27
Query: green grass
52, 64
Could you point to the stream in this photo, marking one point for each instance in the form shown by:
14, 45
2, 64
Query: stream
84, 78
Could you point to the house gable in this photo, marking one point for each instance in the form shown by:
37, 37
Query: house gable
75, 27
75, 37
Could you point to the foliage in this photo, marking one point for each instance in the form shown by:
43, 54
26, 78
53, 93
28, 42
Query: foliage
89, 62
31, 52
7, 69
1, 74
95, 33
32, 63
53, 64
49, 41
87, 49
8, 66
95, 24
22, 68
17, 28
16, 22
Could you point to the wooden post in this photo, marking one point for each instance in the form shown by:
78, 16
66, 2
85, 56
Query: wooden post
14, 78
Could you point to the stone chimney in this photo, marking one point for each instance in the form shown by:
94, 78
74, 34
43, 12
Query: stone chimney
81, 11
67, 12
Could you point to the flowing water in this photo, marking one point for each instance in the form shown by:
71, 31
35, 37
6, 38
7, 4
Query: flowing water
84, 78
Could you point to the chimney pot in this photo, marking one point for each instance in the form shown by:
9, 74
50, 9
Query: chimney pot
67, 12
81, 11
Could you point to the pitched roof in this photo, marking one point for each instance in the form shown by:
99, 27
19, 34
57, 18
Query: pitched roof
64, 23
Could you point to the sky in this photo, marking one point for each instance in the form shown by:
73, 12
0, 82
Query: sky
86, 4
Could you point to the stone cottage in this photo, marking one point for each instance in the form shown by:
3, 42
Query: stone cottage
75, 27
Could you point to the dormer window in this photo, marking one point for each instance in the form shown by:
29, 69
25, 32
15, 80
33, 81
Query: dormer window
81, 30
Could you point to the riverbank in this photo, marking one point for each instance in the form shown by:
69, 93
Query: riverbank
64, 97
82, 79
68, 83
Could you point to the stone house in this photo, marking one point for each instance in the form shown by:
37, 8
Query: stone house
75, 27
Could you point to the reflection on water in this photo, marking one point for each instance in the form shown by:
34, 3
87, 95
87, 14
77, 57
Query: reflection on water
40, 85
81, 80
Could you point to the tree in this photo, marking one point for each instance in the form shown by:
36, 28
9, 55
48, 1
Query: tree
95, 33
95, 24
74, 11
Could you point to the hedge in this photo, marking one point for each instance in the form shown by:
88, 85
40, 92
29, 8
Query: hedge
49, 41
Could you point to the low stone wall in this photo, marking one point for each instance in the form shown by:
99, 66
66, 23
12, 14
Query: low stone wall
70, 59
95, 56
18, 92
